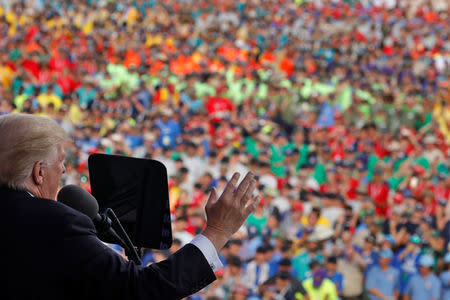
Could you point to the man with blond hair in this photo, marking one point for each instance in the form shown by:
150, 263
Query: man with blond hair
68, 260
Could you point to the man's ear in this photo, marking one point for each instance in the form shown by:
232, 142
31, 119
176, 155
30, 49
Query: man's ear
38, 173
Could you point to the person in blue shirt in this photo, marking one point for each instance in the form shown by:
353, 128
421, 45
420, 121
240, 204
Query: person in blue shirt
169, 129
425, 285
383, 280
254, 241
333, 275
407, 261
368, 253
445, 278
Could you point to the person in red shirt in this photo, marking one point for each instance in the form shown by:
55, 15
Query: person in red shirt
218, 108
378, 191
225, 134
67, 83
31, 65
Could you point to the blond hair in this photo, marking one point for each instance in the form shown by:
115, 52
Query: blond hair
24, 140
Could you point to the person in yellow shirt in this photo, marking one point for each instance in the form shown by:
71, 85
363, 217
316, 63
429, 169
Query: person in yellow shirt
6, 75
48, 97
314, 218
319, 287
441, 113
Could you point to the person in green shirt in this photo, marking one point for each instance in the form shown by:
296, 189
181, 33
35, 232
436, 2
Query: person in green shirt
258, 218
277, 150
305, 262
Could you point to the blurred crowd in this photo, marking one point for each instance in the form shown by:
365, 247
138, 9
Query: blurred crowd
341, 108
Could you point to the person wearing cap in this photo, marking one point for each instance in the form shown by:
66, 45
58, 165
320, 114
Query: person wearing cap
432, 238
281, 201
369, 253
388, 242
407, 261
266, 177
383, 280
413, 222
319, 287
292, 224
426, 285
352, 267
445, 277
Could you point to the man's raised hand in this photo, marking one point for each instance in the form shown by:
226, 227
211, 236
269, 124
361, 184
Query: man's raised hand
225, 214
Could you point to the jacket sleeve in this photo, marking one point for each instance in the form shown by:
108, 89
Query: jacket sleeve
108, 275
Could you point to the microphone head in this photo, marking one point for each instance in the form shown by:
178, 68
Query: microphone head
79, 199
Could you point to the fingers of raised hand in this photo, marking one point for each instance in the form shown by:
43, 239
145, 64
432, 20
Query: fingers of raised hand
229, 189
248, 193
243, 187
212, 198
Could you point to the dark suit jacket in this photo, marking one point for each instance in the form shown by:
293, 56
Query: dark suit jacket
51, 251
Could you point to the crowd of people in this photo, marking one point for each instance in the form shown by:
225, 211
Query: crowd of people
341, 108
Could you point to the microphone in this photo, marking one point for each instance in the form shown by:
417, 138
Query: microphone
81, 200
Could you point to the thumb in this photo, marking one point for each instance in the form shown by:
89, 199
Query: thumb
212, 199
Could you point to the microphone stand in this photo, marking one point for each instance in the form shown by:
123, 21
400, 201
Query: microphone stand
130, 250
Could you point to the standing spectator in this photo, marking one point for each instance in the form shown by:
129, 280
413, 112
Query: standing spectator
378, 191
408, 261
302, 261
426, 285
291, 223
351, 266
319, 287
169, 128
333, 274
368, 253
383, 280
257, 271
